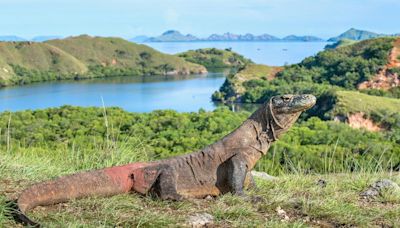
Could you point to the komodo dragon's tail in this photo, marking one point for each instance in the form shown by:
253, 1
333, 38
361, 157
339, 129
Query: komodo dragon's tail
103, 182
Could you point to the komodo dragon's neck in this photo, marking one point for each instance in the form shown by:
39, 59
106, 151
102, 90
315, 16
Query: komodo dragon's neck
255, 134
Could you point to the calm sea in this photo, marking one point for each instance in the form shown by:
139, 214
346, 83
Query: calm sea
270, 53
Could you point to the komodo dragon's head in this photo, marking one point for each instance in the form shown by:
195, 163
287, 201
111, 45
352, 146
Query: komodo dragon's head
283, 111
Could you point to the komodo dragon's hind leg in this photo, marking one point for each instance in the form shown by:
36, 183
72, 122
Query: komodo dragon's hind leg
166, 184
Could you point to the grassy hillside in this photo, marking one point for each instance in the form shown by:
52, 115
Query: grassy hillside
120, 53
84, 57
350, 101
342, 102
234, 85
51, 62
215, 58
43, 144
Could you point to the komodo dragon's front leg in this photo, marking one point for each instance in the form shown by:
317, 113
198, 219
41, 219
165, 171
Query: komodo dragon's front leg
238, 178
237, 174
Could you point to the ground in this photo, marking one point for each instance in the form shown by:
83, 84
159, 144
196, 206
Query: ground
294, 200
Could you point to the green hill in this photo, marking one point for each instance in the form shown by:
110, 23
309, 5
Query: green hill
356, 34
342, 68
382, 112
24, 62
352, 101
215, 58
333, 76
85, 57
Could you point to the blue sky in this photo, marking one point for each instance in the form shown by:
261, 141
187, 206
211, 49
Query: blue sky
128, 18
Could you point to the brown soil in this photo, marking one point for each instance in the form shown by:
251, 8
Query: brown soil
358, 120
384, 79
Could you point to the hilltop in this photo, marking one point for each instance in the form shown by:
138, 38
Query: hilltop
84, 57
215, 58
356, 34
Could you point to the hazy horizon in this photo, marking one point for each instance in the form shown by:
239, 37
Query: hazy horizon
127, 19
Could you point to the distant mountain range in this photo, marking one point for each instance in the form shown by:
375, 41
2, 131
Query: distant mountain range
35, 39
176, 36
356, 34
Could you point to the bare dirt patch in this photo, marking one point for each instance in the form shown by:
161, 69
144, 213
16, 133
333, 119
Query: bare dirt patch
358, 120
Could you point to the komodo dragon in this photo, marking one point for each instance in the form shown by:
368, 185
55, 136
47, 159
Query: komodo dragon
221, 167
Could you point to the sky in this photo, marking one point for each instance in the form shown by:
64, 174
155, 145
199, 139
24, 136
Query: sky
129, 18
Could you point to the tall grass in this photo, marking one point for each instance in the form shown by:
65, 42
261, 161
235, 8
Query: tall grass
345, 163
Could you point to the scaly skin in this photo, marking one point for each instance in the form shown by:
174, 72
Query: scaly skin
221, 167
